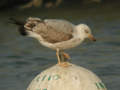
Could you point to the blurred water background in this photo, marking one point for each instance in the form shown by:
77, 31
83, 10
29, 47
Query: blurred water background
22, 58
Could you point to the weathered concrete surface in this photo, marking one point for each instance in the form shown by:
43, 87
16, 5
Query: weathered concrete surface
66, 78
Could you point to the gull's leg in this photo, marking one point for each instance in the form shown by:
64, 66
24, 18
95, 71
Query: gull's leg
66, 55
58, 55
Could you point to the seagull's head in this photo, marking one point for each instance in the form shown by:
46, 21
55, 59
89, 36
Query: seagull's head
85, 32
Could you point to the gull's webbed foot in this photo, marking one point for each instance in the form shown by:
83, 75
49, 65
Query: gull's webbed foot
64, 64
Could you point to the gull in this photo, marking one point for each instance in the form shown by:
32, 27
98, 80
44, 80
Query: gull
56, 34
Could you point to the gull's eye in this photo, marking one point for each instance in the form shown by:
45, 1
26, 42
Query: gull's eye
86, 31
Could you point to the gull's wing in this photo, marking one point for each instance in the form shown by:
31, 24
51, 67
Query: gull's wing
60, 25
51, 30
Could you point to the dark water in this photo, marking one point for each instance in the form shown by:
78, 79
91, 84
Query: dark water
22, 58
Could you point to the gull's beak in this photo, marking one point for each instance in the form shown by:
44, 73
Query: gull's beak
91, 37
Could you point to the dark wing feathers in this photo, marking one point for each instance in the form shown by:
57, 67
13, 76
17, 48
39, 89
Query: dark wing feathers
20, 24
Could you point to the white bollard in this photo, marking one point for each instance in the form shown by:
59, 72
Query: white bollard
66, 78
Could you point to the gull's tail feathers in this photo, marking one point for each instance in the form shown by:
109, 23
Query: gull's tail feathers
26, 26
20, 25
